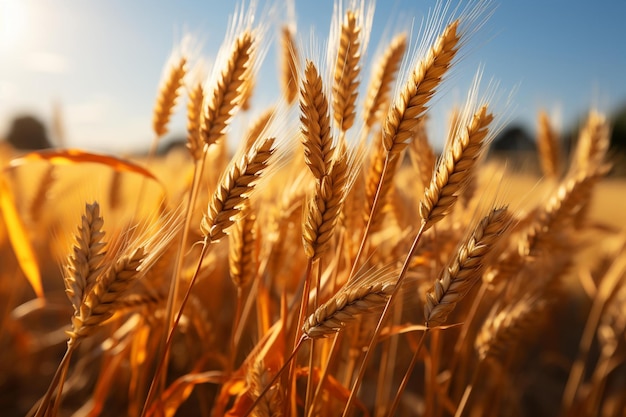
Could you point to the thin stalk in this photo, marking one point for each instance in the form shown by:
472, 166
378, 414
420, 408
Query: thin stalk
178, 265
609, 283
309, 385
301, 315
407, 375
385, 373
369, 220
45, 402
468, 392
275, 378
379, 326
233, 334
170, 337
331, 357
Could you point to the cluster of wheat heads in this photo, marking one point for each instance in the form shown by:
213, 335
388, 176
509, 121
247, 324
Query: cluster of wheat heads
314, 273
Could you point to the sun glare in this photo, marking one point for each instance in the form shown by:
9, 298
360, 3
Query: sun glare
12, 23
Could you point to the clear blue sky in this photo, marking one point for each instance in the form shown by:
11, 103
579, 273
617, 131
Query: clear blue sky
102, 60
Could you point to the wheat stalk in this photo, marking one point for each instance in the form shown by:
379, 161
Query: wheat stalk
168, 95
382, 78
346, 72
455, 168
229, 91
235, 186
465, 268
315, 123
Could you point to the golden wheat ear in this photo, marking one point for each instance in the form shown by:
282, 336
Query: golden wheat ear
234, 188
229, 91
347, 69
550, 154
290, 64
315, 123
382, 79
168, 95
455, 168
465, 268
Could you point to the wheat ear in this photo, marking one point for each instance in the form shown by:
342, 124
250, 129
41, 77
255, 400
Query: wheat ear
289, 65
229, 92
346, 72
324, 208
243, 248
593, 144
99, 303
406, 111
381, 81
84, 264
345, 306
549, 147
422, 154
315, 123
406, 114
465, 268
504, 328
235, 186
257, 379
168, 95
195, 144
455, 168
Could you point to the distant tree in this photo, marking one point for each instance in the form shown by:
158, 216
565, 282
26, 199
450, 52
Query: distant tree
513, 138
28, 133
618, 135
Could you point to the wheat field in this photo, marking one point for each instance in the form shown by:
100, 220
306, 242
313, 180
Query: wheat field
333, 265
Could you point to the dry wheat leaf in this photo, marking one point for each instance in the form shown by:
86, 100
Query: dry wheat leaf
334, 387
19, 238
180, 390
76, 156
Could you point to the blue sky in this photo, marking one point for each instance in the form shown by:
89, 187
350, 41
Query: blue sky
102, 60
